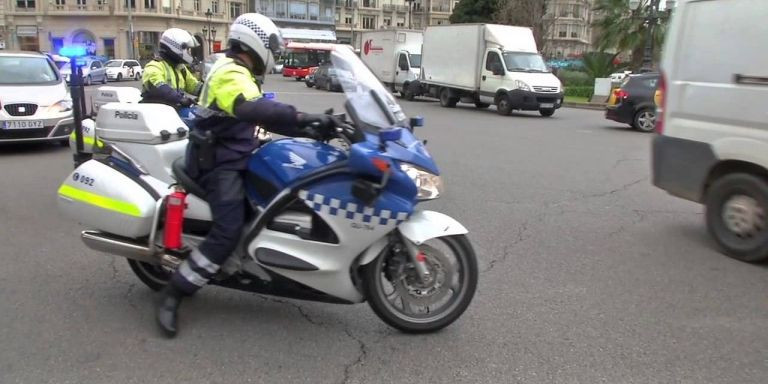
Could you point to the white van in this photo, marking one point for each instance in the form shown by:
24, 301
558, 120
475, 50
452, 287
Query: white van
713, 142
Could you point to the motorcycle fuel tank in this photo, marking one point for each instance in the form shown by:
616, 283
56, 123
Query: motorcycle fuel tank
282, 162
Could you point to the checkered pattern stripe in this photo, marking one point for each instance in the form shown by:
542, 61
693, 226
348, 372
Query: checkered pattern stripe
255, 28
170, 42
352, 211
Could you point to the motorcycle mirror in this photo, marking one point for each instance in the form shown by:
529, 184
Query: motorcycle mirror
417, 121
393, 134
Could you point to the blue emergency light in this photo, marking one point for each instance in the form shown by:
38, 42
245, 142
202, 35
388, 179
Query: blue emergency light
73, 51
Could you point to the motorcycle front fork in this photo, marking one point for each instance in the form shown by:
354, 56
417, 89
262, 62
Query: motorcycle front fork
418, 259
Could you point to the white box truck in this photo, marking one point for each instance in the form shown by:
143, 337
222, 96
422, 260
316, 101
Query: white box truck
487, 64
394, 56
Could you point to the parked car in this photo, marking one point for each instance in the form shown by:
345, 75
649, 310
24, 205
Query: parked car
208, 63
633, 103
119, 70
329, 78
712, 146
309, 80
278, 68
34, 102
93, 71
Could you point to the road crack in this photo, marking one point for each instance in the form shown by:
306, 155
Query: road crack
359, 360
617, 190
113, 264
520, 236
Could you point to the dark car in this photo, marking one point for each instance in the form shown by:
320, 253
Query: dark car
634, 102
326, 77
310, 80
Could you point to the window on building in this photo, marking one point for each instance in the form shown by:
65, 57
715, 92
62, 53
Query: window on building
574, 34
298, 10
439, 22
562, 33
369, 22
215, 7
197, 5
314, 11
576, 10
149, 4
109, 48
280, 9
81, 3
27, 4
132, 2
348, 3
235, 10
401, 21
348, 20
369, 3
29, 43
60, 3
564, 11
388, 21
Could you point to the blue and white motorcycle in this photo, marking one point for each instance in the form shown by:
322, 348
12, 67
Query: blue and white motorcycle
332, 221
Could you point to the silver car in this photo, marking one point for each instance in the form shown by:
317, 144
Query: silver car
34, 102
94, 71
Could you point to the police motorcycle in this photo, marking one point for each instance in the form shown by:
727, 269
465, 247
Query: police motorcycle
329, 223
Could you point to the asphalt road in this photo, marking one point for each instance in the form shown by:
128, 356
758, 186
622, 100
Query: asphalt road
589, 275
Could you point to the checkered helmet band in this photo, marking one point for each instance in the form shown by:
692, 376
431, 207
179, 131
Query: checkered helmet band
255, 28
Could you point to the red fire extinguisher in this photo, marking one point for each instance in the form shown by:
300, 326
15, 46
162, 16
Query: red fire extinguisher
174, 218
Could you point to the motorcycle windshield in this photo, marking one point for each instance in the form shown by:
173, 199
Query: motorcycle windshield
367, 99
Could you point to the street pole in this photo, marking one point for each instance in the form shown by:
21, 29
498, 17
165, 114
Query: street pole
130, 28
651, 19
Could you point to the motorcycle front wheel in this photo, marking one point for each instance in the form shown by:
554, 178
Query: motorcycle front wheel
401, 299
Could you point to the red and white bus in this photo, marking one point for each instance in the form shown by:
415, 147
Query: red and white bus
301, 59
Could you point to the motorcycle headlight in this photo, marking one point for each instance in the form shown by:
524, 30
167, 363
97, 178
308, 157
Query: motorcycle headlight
522, 86
429, 186
61, 106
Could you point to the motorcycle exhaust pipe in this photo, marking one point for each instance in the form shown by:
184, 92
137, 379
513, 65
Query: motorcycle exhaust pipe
120, 246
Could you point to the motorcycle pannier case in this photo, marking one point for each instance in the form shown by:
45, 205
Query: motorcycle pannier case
101, 198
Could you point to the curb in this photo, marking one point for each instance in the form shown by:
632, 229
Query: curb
595, 107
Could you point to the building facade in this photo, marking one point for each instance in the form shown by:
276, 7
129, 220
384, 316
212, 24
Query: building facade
569, 32
301, 20
105, 26
356, 16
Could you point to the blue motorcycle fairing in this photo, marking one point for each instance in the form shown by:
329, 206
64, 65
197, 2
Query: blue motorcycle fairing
408, 150
281, 162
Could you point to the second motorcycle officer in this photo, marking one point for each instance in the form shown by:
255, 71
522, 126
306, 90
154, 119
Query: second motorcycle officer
221, 144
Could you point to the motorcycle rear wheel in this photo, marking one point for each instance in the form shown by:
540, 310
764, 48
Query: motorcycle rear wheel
153, 276
391, 271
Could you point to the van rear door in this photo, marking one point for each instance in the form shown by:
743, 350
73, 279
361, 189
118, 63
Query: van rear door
717, 70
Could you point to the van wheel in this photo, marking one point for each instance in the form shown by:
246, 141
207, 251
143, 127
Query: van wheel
119, 77
737, 216
645, 120
88, 80
481, 105
446, 100
504, 105
547, 112
137, 76
407, 93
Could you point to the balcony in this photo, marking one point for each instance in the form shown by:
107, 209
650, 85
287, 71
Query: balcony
446, 8
402, 8
371, 4
76, 8
389, 7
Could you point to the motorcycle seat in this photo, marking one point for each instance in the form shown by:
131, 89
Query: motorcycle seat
186, 182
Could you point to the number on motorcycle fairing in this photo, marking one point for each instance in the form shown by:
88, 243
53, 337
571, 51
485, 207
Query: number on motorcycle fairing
83, 179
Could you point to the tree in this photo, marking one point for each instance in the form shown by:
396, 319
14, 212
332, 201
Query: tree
622, 28
526, 13
473, 11
600, 64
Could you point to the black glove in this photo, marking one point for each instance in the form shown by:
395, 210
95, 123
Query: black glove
317, 126
187, 101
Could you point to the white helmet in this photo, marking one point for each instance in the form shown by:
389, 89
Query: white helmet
259, 37
177, 43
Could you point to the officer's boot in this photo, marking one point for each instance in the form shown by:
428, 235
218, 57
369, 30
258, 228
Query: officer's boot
166, 310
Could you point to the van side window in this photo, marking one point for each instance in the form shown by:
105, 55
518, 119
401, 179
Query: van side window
403, 62
493, 58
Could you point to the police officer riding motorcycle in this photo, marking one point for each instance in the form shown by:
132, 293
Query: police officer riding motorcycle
222, 140
167, 79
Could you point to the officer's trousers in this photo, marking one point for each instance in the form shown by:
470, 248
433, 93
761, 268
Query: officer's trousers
226, 197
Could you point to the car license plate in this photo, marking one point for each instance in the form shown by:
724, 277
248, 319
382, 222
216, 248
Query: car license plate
23, 124
546, 105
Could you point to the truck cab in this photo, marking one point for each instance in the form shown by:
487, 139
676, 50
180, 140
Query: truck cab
408, 69
518, 80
